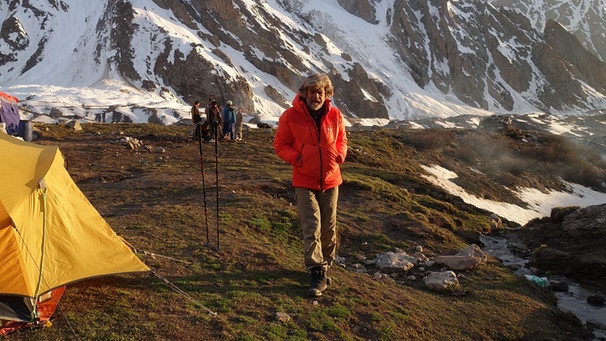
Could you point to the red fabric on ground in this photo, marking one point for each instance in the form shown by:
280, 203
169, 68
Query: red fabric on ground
46, 309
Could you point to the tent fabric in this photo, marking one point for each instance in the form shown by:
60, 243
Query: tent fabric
19, 308
9, 113
15, 311
50, 234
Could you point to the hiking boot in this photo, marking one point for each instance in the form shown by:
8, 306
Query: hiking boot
319, 281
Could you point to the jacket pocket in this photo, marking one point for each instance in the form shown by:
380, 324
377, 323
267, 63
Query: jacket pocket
309, 161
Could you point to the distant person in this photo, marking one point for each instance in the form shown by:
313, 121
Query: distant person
311, 137
196, 119
239, 122
229, 120
213, 116
205, 131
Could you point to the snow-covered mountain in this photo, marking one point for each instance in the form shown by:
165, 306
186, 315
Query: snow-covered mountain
584, 19
142, 60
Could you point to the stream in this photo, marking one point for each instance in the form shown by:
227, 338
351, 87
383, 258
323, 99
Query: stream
573, 301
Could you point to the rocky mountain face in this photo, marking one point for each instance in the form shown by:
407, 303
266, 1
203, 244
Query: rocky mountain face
469, 53
583, 18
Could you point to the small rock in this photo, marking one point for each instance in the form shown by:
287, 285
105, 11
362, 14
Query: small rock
596, 300
441, 280
282, 317
370, 262
557, 286
359, 268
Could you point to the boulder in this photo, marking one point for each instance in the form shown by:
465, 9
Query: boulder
440, 280
395, 262
468, 258
73, 124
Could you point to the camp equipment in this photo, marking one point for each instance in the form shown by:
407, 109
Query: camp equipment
50, 234
217, 176
203, 182
9, 113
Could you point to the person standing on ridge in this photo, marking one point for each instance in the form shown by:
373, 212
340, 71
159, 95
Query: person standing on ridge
239, 123
196, 119
311, 137
213, 117
229, 120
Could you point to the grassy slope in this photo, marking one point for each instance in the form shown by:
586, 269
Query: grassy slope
155, 201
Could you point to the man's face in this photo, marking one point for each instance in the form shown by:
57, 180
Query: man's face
315, 97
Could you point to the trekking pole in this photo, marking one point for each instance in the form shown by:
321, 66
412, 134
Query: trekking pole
217, 176
203, 182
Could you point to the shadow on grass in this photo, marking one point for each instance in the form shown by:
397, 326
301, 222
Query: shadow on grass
286, 282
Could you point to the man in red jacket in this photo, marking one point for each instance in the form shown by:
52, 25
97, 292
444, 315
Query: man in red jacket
311, 138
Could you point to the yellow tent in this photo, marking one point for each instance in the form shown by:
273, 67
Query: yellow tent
50, 234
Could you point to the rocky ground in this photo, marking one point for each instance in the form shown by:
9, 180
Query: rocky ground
571, 242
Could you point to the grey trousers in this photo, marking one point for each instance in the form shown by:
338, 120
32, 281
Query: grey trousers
317, 212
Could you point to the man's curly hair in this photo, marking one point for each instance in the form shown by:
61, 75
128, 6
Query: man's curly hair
319, 80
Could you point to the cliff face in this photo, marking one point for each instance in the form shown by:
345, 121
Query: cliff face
582, 18
470, 54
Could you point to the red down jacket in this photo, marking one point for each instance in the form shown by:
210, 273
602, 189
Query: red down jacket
315, 155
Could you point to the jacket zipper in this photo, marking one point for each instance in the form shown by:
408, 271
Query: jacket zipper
319, 131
